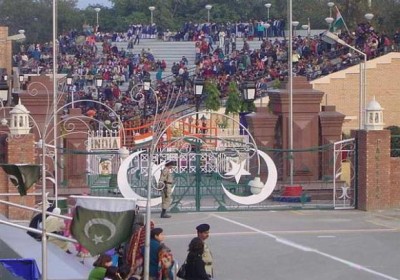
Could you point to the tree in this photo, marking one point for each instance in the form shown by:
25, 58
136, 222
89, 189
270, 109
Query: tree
234, 101
212, 101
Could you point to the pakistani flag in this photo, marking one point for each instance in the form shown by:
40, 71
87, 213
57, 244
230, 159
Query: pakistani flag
23, 176
102, 223
339, 21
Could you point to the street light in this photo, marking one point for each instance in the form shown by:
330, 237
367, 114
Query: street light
208, 7
305, 27
198, 91
249, 90
332, 38
99, 82
69, 84
369, 16
329, 21
4, 90
18, 37
146, 84
295, 24
330, 5
268, 5
151, 8
97, 17
146, 88
21, 79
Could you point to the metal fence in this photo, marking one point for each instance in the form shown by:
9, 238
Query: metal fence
199, 177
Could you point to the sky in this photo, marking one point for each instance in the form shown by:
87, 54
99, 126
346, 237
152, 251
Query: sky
82, 4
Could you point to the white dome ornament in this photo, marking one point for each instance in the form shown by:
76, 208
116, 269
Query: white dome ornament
374, 116
19, 120
256, 185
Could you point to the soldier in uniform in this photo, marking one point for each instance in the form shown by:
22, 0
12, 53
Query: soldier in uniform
203, 234
167, 180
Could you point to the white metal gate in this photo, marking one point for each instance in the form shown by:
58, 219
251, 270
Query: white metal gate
344, 174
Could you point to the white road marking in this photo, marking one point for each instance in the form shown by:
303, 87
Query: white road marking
308, 249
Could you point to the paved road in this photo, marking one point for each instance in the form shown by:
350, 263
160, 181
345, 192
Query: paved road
320, 245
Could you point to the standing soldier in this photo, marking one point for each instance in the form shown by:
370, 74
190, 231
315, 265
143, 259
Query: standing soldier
166, 180
203, 234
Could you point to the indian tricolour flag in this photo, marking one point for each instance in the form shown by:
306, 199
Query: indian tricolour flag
102, 223
339, 21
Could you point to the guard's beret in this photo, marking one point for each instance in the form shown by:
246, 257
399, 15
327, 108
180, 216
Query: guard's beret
203, 227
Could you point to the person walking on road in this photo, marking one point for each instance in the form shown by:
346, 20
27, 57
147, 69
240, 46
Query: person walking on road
203, 232
195, 266
166, 180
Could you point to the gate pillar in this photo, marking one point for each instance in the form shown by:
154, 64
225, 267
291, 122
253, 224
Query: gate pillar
75, 164
306, 108
373, 168
20, 149
262, 126
331, 129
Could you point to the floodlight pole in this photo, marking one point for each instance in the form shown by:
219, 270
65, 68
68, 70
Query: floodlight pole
362, 80
291, 159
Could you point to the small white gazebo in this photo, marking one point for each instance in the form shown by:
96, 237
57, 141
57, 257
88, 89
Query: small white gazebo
374, 116
19, 120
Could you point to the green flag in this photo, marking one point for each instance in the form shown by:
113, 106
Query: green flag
339, 21
101, 223
23, 176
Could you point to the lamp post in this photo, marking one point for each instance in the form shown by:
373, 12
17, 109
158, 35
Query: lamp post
98, 83
69, 84
268, 6
151, 8
369, 16
4, 90
295, 24
305, 27
198, 91
249, 91
146, 88
21, 80
329, 21
330, 5
208, 7
97, 17
330, 38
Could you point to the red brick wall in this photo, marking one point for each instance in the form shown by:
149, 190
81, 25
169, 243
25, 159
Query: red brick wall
374, 170
21, 149
394, 182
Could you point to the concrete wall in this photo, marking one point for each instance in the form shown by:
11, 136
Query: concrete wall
15, 243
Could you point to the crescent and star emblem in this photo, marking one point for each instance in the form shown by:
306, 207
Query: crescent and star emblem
126, 189
237, 171
98, 221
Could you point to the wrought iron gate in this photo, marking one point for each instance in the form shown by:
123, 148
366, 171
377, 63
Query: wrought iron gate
198, 181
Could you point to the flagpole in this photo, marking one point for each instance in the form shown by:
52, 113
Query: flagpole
44, 208
148, 219
344, 22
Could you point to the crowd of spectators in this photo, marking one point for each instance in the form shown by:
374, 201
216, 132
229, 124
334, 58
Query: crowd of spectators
217, 58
